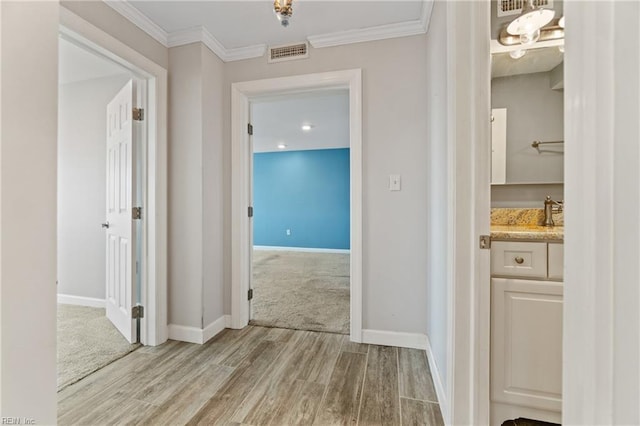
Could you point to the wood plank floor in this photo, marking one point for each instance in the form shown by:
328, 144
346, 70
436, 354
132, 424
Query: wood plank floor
258, 376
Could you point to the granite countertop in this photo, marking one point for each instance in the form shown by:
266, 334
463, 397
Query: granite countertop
527, 232
524, 224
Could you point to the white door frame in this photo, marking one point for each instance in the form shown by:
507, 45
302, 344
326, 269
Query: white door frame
240, 156
469, 200
153, 330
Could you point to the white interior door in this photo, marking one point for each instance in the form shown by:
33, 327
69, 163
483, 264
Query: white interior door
120, 236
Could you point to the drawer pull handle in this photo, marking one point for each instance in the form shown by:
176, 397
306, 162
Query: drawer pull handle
519, 260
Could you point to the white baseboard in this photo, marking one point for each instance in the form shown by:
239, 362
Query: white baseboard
214, 328
197, 335
394, 338
437, 383
303, 249
92, 302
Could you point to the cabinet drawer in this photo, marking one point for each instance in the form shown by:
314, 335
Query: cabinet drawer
556, 261
517, 259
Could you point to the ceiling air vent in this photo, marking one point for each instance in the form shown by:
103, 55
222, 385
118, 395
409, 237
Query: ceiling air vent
288, 52
514, 7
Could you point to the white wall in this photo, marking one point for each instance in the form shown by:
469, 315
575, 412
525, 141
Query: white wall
394, 141
185, 186
214, 184
29, 80
437, 302
81, 184
601, 335
195, 187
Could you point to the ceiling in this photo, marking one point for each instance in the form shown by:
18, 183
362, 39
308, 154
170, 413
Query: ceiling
279, 120
77, 64
242, 29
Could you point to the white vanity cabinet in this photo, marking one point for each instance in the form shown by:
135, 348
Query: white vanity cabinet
526, 331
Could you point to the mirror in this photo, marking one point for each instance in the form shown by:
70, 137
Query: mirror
527, 101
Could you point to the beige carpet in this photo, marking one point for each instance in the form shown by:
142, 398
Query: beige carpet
87, 341
301, 290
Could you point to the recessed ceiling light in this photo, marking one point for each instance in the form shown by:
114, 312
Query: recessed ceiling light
281, 146
306, 127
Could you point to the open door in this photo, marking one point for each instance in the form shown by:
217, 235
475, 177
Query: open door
120, 226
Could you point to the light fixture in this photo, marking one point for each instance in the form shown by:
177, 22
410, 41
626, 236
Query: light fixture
531, 19
561, 22
517, 54
282, 146
283, 10
306, 127
561, 48
529, 38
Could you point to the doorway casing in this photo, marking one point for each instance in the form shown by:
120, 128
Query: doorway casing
241, 94
153, 329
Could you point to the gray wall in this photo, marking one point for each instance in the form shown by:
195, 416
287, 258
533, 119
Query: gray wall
394, 141
437, 214
81, 184
196, 252
534, 112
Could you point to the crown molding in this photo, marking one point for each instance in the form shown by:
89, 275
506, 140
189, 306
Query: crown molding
200, 34
380, 32
139, 19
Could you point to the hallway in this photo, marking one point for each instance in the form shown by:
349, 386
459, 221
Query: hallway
258, 376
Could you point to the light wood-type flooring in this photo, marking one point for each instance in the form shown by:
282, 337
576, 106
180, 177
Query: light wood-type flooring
258, 376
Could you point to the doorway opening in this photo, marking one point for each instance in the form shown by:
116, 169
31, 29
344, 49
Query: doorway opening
301, 211
100, 181
136, 270
243, 94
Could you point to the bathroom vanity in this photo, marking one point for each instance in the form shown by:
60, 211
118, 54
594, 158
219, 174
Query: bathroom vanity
526, 322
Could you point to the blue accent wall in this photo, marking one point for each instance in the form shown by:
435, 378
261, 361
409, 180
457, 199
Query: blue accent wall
304, 191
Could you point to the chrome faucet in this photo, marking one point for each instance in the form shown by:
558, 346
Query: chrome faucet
551, 207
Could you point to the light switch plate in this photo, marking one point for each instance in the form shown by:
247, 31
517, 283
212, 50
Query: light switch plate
394, 183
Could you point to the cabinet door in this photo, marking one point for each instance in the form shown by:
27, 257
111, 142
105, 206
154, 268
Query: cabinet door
526, 343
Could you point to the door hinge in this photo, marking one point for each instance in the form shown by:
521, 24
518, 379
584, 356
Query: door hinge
250, 294
250, 128
485, 242
138, 114
137, 312
136, 212
250, 211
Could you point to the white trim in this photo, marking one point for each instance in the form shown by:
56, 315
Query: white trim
200, 34
437, 382
395, 338
198, 335
227, 321
154, 292
139, 19
185, 334
302, 249
214, 328
468, 190
380, 32
92, 302
240, 158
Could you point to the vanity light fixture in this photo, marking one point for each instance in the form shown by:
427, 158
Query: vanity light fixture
561, 22
530, 21
283, 10
517, 54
